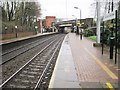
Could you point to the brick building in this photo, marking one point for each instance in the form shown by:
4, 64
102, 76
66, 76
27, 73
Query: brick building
87, 21
49, 21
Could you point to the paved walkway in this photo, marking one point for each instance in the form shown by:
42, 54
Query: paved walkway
93, 69
91, 65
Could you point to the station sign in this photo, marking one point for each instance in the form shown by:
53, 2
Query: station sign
109, 16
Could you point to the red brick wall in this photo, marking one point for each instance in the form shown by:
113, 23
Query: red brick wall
13, 35
49, 20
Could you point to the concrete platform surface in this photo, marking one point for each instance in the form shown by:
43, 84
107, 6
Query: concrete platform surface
80, 65
64, 74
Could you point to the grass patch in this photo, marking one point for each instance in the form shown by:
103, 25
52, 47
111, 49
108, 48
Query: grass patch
92, 38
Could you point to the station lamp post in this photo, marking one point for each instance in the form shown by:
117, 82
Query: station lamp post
80, 22
16, 31
5, 29
75, 19
75, 26
36, 31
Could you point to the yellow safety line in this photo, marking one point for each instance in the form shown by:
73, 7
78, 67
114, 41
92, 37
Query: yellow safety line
110, 86
109, 72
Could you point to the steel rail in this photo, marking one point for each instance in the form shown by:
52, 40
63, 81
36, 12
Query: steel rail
20, 47
47, 66
25, 64
23, 52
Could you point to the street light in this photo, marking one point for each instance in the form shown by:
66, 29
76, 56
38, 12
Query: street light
36, 27
16, 31
79, 9
75, 22
80, 22
5, 29
75, 17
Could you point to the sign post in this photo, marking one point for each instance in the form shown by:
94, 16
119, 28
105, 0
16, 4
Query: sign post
116, 37
110, 16
98, 22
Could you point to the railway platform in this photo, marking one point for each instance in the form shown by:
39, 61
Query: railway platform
23, 38
80, 65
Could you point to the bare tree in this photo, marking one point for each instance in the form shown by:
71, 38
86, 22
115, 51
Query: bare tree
20, 13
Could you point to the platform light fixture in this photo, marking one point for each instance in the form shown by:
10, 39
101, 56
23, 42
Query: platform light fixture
5, 29
80, 22
16, 31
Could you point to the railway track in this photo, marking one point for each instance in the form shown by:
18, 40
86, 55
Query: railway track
37, 71
23, 44
11, 54
14, 64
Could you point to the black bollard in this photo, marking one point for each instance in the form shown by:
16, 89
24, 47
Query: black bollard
81, 34
111, 47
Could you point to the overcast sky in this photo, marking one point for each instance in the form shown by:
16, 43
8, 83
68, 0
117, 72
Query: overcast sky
65, 8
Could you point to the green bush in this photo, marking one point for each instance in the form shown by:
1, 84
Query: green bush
106, 36
88, 32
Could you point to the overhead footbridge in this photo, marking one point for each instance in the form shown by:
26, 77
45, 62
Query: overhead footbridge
65, 26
